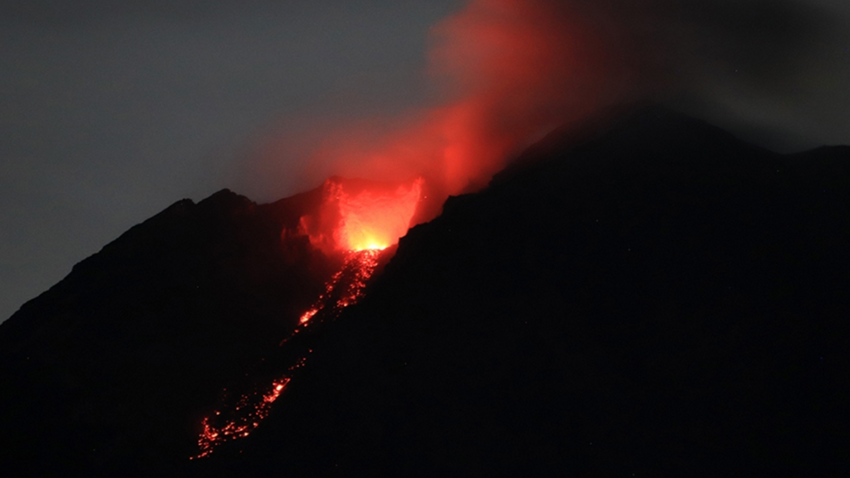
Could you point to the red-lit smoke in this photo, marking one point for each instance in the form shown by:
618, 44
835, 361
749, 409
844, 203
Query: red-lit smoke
508, 71
357, 215
512, 70
371, 220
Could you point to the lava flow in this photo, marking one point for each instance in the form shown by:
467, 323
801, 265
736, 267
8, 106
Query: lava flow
339, 293
366, 223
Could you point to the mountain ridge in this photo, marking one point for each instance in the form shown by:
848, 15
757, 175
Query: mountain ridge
657, 300
572, 320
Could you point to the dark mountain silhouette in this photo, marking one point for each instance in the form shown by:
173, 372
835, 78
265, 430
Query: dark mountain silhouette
113, 365
652, 297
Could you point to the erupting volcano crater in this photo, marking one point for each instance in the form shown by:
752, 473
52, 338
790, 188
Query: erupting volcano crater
356, 215
357, 218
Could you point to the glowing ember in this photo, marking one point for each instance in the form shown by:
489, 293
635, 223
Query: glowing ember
242, 424
308, 315
345, 288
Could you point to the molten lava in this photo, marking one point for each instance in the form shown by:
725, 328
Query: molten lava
375, 221
240, 425
367, 221
354, 217
238, 420
347, 286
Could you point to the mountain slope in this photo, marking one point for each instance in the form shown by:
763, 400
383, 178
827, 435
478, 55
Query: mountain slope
111, 367
652, 297
662, 300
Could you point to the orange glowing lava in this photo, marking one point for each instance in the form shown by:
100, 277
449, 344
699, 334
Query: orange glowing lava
236, 421
347, 286
376, 221
356, 218
242, 424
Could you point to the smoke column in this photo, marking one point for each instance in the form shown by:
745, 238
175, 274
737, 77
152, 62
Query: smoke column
510, 71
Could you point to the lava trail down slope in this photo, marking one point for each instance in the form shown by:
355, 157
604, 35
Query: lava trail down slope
656, 298
649, 297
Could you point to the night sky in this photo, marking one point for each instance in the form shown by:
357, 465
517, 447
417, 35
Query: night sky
111, 111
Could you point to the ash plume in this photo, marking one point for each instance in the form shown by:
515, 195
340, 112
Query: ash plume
509, 71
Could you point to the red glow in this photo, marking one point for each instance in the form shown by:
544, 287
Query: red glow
511, 71
376, 221
357, 217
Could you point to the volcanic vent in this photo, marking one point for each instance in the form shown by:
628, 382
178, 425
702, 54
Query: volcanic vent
357, 219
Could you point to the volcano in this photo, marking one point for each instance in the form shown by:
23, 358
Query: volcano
644, 296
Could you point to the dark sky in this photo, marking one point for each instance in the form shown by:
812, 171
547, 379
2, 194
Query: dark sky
111, 111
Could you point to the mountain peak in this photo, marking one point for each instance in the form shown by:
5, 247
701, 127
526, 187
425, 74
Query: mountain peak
650, 296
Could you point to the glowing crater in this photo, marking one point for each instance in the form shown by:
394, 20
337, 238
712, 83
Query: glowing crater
364, 224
